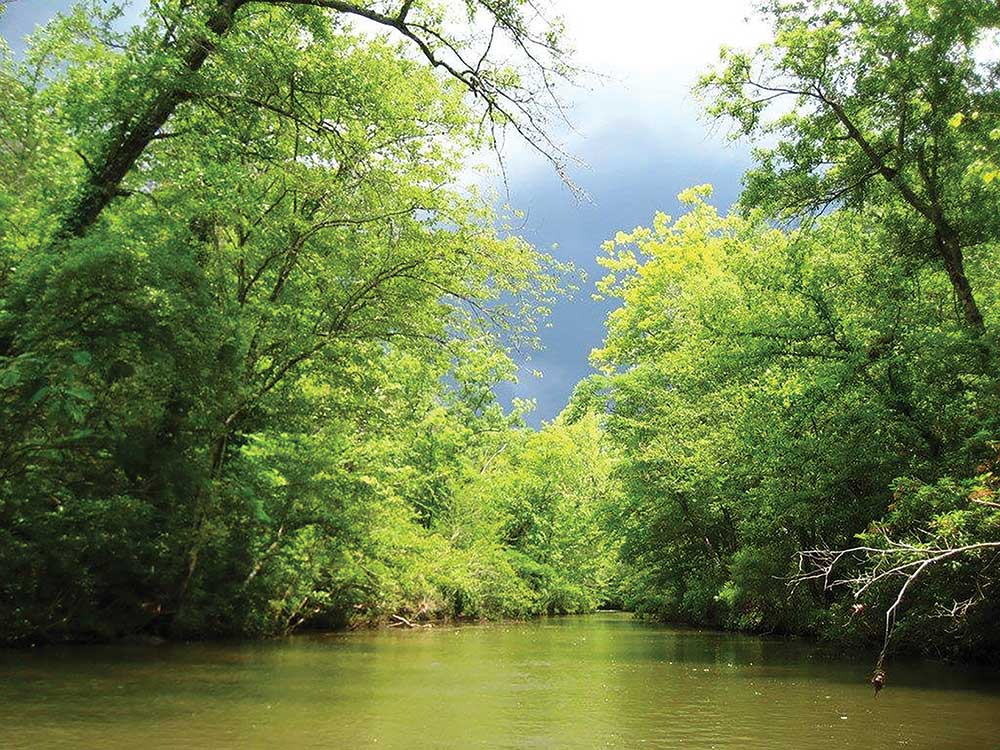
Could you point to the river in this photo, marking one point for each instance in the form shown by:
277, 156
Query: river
599, 681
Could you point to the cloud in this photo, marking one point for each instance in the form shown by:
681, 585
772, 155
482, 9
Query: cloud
643, 138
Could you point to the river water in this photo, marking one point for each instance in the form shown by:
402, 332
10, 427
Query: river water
599, 681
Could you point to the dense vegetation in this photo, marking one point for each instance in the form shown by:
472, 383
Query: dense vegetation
248, 332
822, 364
251, 325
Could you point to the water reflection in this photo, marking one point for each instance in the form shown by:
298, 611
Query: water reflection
603, 681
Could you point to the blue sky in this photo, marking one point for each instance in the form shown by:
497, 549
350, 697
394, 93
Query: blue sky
644, 139
637, 128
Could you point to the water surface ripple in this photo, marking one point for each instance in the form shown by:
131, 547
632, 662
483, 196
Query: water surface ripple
601, 681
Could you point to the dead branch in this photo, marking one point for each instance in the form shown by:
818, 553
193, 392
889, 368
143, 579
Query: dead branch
897, 560
399, 620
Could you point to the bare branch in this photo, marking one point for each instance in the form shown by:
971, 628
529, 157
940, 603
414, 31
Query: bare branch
896, 560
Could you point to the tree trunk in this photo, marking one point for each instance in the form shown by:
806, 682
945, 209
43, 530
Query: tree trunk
951, 253
132, 135
198, 522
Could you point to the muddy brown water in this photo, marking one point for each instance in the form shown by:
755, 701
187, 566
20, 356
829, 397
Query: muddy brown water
596, 681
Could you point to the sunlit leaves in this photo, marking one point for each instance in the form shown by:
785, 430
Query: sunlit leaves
276, 346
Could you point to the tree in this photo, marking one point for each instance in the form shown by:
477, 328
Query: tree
162, 70
873, 87
200, 384
886, 110
545, 493
765, 390
932, 557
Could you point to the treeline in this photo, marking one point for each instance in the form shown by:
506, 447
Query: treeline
804, 394
250, 330
250, 324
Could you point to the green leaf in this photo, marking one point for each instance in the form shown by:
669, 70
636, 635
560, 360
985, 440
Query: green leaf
10, 377
81, 393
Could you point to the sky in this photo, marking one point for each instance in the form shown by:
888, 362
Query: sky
637, 128
644, 139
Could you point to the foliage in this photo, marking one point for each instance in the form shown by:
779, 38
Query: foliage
245, 374
765, 388
820, 394
250, 327
876, 89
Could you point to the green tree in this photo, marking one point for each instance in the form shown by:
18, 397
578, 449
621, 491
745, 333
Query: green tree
764, 389
226, 286
162, 73
873, 87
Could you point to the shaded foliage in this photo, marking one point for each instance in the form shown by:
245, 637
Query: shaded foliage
247, 346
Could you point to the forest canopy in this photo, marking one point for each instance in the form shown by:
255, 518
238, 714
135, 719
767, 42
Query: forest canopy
252, 323
249, 325
805, 391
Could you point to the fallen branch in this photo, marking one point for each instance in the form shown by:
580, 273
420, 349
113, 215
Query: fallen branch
895, 560
399, 620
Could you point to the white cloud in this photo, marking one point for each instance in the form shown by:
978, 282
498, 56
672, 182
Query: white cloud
650, 37
646, 56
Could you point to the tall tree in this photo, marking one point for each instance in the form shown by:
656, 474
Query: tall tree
162, 72
774, 391
872, 88
200, 383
